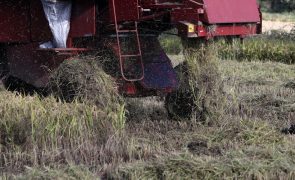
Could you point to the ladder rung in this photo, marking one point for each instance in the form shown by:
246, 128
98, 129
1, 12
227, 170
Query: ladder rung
125, 31
135, 55
122, 56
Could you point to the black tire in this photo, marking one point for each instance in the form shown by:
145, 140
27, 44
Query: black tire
17, 85
3, 62
180, 104
197, 97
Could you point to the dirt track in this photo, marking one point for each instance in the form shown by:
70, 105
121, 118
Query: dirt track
277, 25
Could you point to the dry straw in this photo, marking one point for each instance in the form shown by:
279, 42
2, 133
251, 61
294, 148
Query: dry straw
43, 132
200, 91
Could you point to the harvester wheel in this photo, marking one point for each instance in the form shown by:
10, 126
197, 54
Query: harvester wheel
3, 62
180, 104
200, 89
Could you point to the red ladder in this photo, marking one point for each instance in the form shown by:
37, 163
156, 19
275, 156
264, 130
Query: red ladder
123, 57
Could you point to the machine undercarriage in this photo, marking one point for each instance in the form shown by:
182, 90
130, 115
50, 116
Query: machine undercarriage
126, 28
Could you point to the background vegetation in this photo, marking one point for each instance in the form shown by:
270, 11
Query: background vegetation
277, 5
276, 46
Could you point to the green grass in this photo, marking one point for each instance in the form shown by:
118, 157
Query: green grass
48, 139
239, 150
70, 172
237, 164
245, 144
271, 47
277, 46
283, 17
33, 131
44, 138
170, 43
278, 6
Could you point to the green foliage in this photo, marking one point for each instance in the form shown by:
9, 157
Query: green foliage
86, 120
204, 79
262, 153
32, 130
275, 47
280, 16
171, 44
278, 5
41, 138
71, 172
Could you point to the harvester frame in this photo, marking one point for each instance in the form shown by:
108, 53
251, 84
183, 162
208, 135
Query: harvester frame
100, 24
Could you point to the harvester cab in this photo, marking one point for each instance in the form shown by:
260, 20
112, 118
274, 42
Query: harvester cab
39, 35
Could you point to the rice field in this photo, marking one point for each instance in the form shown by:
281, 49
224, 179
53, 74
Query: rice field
45, 138
242, 135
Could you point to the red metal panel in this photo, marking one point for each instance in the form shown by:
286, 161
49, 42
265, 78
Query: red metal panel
227, 30
83, 18
40, 30
82, 21
126, 10
149, 2
188, 15
14, 21
170, 1
231, 11
30, 65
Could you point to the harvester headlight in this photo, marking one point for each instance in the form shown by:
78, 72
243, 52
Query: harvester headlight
191, 28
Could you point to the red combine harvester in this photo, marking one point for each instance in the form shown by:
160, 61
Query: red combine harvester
144, 67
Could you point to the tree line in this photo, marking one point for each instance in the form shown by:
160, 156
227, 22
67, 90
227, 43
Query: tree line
278, 5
